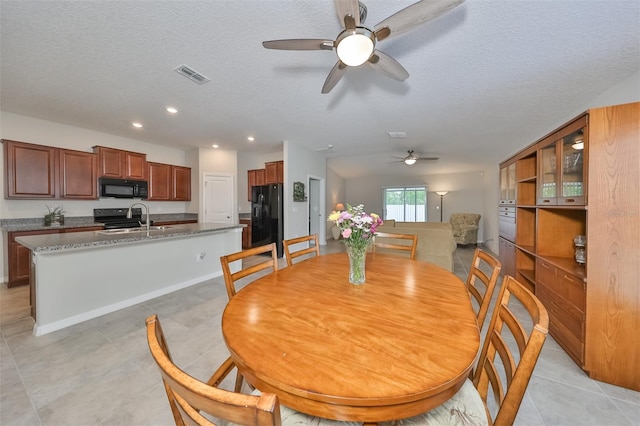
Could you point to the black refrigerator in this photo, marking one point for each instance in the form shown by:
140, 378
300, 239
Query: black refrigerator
266, 216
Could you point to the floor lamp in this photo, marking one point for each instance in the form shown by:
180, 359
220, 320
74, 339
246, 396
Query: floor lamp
441, 194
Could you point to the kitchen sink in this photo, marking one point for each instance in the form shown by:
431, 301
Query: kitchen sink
133, 230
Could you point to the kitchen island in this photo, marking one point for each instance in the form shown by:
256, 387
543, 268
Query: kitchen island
83, 275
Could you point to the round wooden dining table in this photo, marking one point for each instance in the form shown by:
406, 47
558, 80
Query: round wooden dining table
398, 345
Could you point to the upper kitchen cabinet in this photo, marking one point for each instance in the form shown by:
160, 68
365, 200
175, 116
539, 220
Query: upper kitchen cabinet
168, 182
274, 172
29, 170
181, 182
120, 164
38, 171
78, 174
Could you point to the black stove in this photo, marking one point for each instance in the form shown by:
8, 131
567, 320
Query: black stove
117, 218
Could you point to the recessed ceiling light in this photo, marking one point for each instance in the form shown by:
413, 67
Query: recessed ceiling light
215, 146
136, 125
172, 110
251, 139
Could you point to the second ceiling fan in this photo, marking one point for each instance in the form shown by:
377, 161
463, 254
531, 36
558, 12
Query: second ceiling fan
412, 158
356, 44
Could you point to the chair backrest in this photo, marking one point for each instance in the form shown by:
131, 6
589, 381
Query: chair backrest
381, 241
462, 219
516, 371
290, 255
231, 278
484, 272
188, 396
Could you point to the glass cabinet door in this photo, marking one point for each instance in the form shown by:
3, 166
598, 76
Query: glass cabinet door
511, 183
572, 170
503, 185
547, 179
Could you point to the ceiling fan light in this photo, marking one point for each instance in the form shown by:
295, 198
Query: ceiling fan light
410, 161
355, 47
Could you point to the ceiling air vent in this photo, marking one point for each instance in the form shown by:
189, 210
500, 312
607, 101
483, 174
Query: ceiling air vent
192, 74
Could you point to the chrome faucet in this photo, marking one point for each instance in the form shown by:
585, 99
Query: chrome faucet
146, 213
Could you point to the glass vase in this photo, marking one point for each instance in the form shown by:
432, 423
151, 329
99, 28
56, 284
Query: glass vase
357, 258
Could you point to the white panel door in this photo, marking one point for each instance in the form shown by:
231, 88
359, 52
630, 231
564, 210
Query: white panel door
218, 199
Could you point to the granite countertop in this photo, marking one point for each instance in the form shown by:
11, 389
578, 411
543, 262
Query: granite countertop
37, 224
94, 239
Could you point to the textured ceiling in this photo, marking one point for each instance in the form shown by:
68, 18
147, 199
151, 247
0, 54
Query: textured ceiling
485, 79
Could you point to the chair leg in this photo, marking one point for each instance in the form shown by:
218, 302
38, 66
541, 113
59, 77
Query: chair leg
238, 386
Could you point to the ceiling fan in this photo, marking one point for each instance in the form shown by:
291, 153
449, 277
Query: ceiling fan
412, 158
356, 44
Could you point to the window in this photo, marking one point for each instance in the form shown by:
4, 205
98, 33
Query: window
405, 204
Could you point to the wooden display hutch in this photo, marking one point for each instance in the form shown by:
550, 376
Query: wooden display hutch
581, 179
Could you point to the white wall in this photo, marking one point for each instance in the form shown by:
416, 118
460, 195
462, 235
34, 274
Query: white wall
300, 164
466, 193
336, 193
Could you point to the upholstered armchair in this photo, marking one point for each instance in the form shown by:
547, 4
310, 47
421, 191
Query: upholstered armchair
465, 227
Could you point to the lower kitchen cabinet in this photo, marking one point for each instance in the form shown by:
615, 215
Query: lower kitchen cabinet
20, 257
246, 233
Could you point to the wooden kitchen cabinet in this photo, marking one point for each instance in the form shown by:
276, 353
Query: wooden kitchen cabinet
30, 170
168, 182
159, 182
246, 233
121, 164
274, 172
579, 180
78, 174
255, 177
19, 256
37, 171
181, 183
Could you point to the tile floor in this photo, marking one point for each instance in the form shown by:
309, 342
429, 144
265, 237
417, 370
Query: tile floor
100, 372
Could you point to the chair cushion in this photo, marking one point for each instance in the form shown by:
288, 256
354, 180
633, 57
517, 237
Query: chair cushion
291, 417
465, 408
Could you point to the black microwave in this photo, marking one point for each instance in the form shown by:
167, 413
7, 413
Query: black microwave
123, 188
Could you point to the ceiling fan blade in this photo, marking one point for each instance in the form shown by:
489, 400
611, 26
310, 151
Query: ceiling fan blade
299, 44
388, 66
411, 16
348, 7
428, 158
338, 70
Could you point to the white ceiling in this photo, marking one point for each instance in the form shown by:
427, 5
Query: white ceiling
485, 79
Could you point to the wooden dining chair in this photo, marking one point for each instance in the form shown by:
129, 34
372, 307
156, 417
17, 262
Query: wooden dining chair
230, 278
507, 376
290, 255
481, 281
381, 240
194, 402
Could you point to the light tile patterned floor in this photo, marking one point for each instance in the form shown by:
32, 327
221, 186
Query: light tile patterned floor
100, 372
